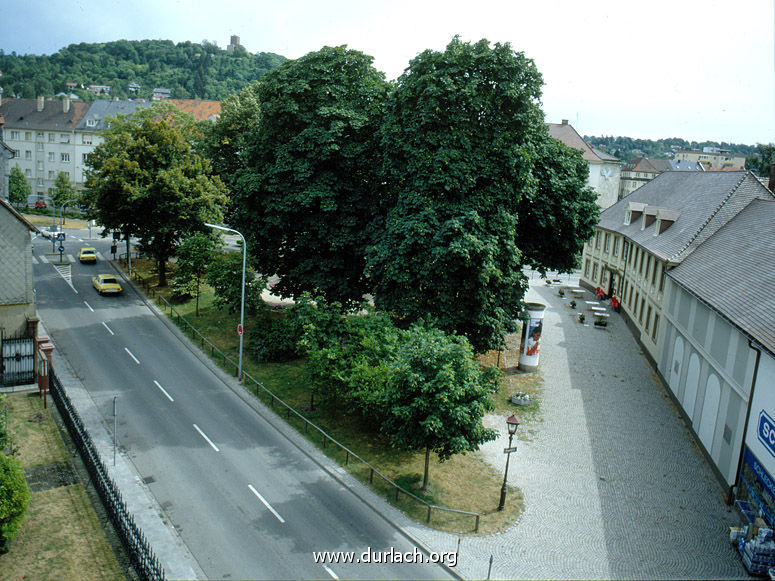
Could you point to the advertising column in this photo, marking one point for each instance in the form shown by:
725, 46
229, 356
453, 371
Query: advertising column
532, 329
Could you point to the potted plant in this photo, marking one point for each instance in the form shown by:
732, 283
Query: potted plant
561, 292
581, 317
573, 304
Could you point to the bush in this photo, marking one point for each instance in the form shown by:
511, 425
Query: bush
275, 339
14, 500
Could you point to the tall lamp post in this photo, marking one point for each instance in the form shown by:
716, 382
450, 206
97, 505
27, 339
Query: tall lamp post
241, 329
512, 423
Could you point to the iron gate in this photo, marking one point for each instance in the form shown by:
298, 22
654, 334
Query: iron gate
17, 361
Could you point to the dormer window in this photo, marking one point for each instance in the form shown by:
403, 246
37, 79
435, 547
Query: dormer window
91, 123
649, 215
665, 219
634, 209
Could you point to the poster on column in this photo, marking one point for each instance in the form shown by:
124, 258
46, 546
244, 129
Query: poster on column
532, 330
760, 436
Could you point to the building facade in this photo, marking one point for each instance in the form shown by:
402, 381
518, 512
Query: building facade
17, 298
718, 352
604, 169
713, 159
641, 237
51, 136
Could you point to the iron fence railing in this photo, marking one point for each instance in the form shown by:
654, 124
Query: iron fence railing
145, 563
217, 354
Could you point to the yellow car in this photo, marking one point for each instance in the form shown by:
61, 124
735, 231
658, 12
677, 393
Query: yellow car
106, 284
87, 254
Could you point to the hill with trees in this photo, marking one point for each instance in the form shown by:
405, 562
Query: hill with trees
190, 70
627, 148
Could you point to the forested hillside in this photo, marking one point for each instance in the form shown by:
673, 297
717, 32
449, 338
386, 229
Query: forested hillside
627, 148
189, 70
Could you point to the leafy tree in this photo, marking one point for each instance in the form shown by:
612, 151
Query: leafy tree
458, 138
14, 499
226, 140
63, 190
559, 215
145, 180
224, 274
309, 192
194, 254
19, 188
437, 395
763, 161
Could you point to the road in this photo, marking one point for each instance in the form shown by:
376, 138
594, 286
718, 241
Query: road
246, 501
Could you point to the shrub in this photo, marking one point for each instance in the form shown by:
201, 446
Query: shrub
275, 339
14, 499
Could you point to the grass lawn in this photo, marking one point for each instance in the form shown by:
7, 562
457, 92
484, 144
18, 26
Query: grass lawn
465, 482
61, 538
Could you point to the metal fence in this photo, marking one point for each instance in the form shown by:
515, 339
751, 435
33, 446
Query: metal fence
145, 563
17, 360
349, 455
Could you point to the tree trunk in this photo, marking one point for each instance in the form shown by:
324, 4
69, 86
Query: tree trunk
162, 267
427, 461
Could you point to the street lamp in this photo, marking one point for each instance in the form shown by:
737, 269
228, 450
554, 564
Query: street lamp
512, 423
63, 210
242, 307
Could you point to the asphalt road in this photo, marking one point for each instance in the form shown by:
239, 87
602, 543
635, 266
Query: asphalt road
247, 502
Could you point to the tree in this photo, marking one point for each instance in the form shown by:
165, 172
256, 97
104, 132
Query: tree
559, 215
63, 190
145, 180
19, 188
224, 274
309, 191
14, 499
226, 140
458, 140
194, 254
763, 160
437, 395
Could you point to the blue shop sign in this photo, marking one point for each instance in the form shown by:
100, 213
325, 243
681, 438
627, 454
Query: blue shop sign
766, 432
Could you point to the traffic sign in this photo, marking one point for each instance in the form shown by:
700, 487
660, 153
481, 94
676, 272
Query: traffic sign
61, 248
239, 329
61, 236
509, 450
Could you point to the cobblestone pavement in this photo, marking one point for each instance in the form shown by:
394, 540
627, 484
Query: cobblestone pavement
614, 487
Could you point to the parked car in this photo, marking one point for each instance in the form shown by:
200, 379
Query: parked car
87, 254
106, 284
36, 204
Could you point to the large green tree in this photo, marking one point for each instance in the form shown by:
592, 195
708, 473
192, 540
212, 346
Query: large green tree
146, 181
308, 196
64, 191
19, 188
459, 157
14, 500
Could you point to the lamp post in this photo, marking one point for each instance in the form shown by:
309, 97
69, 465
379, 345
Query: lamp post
63, 210
512, 423
241, 329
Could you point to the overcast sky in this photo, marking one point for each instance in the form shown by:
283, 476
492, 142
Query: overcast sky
701, 70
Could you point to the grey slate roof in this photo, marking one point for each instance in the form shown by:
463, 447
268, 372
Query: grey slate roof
23, 114
706, 201
102, 108
733, 272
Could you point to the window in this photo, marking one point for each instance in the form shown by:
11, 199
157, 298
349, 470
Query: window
52, 137
86, 139
39, 146
28, 135
40, 135
52, 157
586, 268
654, 329
17, 154
40, 166
597, 240
91, 123
40, 182
648, 318
28, 154
83, 157
64, 157
28, 173
64, 138
662, 281
640, 310
594, 271
654, 273
607, 243
67, 174
648, 265
14, 135
615, 251
51, 174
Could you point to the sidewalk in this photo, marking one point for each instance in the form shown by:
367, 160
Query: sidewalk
614, 487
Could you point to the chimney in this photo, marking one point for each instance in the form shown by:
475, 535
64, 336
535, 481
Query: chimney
564, 121
65, 105
41, 102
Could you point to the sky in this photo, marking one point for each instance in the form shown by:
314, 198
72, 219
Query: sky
699, 70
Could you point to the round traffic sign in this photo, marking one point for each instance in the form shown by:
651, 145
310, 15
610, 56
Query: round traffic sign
61, 248
239, 329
